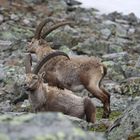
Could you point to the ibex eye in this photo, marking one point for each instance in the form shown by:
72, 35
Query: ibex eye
35, 77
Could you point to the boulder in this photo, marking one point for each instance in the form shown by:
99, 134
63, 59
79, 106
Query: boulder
42, 126
128, 126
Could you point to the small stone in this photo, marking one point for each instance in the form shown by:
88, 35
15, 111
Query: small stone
5, 106
14, 17
116, 56
127, 124
105, 33
114, 48
5, 43
2, 74
25, 104
138, 63
1, 18
131, 31
26, 21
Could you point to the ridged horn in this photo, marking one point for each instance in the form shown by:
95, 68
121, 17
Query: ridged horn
40, 27
46, 58
28, 63
55, 27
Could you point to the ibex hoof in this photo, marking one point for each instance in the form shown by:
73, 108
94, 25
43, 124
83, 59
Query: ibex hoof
106, 115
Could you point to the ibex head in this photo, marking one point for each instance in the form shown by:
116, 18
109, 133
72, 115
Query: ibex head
36, 40
38, 45
33, 81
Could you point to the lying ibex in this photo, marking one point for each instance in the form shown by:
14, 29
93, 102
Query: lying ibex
73, 74
47, 98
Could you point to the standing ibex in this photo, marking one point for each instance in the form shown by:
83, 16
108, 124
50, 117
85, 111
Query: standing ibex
47, 98
74, 74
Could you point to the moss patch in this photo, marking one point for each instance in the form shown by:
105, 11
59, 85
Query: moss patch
46, 137
113, 116
78, 132
15, 120
99, 113
99, 128
135, 135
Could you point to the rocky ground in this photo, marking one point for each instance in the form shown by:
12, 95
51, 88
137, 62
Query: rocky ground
115, 38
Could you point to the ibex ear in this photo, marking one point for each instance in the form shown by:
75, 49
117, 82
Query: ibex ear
40, 41
28, 63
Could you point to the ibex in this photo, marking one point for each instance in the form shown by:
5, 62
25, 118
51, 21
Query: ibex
48, 98
75, 74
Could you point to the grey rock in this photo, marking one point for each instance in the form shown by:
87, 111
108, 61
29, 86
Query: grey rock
26, 22
34, 1
119, 102
5, 106
1, 18
25, 104
135, 48
127, 125
2, 74
109, 23
67, 36
135, 135
114, 48
122, 56
105, 33
131, 31
132, 18
114, 15
41, 126
121, 31
81, 123
14, 74
131, 86
138, 63
122, 40
72, 2
121, 21
92, 128
14, 17
115, 71
5, 45
112, 87
131, 71
67, 50
91, 46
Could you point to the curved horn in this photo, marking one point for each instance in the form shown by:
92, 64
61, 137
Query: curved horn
28, 63
55, 27
46, 58
40, 27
